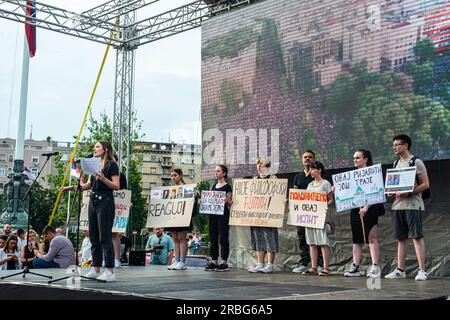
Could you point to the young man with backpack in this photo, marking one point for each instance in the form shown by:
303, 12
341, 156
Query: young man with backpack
407, 210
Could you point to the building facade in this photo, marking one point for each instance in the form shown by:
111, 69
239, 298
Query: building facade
159, 159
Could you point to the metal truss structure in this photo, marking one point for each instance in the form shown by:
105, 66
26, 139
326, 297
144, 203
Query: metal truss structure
114, 22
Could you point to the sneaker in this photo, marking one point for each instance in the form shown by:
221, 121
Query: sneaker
107, 276
211, 267
396, 274
117, 263
300, 269
353, 272
92, 274
267, 269
374, 272
257, 268
222, 267
180, 266
422, 275
172, 266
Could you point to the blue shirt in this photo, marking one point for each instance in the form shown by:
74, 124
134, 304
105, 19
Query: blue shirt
160, 256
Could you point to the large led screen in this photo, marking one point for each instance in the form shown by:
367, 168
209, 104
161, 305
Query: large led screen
333, 76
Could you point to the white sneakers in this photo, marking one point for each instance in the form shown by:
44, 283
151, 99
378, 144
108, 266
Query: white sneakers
107, 275
353, 272
117, 263
177, 265
374, 272
422, 275
396, 274
261, 268
300, 269
92, 274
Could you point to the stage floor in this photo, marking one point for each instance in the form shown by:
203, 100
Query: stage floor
158, 283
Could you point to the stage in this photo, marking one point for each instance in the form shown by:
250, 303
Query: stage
158, 283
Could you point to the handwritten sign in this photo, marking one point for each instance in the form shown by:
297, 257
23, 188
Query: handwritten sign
358, 188
171, 206
122, 201
400, 180
258, 202
213, 202
307, 208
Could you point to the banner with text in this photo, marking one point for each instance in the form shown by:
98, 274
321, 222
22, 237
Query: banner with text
258, 202
358, 188
122, 201
307, 208
171, 206
213, 202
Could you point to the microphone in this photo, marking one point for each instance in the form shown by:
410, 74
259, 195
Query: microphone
50, 154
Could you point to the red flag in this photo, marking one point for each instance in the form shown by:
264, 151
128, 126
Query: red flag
30, 30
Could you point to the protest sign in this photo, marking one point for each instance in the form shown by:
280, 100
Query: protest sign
213, 202
307, 208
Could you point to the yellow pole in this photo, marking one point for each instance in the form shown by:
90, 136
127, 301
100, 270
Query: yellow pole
66, 174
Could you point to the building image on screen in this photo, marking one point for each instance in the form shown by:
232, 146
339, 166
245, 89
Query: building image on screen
332, 76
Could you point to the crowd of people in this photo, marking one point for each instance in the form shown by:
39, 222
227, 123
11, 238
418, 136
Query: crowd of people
98, 250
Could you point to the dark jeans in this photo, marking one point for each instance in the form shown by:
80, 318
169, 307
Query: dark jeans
218, 229
101, 218
303, 247
39, 263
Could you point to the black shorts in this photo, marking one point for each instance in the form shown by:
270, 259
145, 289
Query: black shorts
408, 223
370, 220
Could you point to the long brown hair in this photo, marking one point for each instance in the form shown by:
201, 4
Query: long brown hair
109, 152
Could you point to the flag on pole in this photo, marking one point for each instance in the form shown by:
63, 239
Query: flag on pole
30, 30
28, 174
75, 171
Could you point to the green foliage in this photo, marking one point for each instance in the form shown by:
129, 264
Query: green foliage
200, 221
230, 44
424, 51
42, 201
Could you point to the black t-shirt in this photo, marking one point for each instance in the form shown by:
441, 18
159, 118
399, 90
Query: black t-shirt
123, 182
301, 180
109, 170
226, 188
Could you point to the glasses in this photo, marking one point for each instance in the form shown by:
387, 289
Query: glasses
397, 144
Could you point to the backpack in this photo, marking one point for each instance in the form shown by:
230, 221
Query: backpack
412, 162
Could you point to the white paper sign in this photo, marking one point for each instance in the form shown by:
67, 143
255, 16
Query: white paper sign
307, 208
122, 201
358, 188
400, 180
213, 202
91, 165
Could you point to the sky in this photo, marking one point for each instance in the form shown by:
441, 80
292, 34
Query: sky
63, 72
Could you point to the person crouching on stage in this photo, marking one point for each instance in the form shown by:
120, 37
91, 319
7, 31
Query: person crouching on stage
101, 211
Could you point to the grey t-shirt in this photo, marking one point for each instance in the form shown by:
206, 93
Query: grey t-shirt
413, 202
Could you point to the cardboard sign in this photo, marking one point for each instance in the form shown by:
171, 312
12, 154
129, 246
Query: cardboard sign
171, 206
258, 202
122, 201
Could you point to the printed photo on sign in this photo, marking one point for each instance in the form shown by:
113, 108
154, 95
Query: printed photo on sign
213, 202
400, 180
358, 188
307, 208
258, 202
171, 206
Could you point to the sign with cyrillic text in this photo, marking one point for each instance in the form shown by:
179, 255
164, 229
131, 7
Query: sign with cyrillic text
213, 202
171, 206
307, 208
358, 188
258, 202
